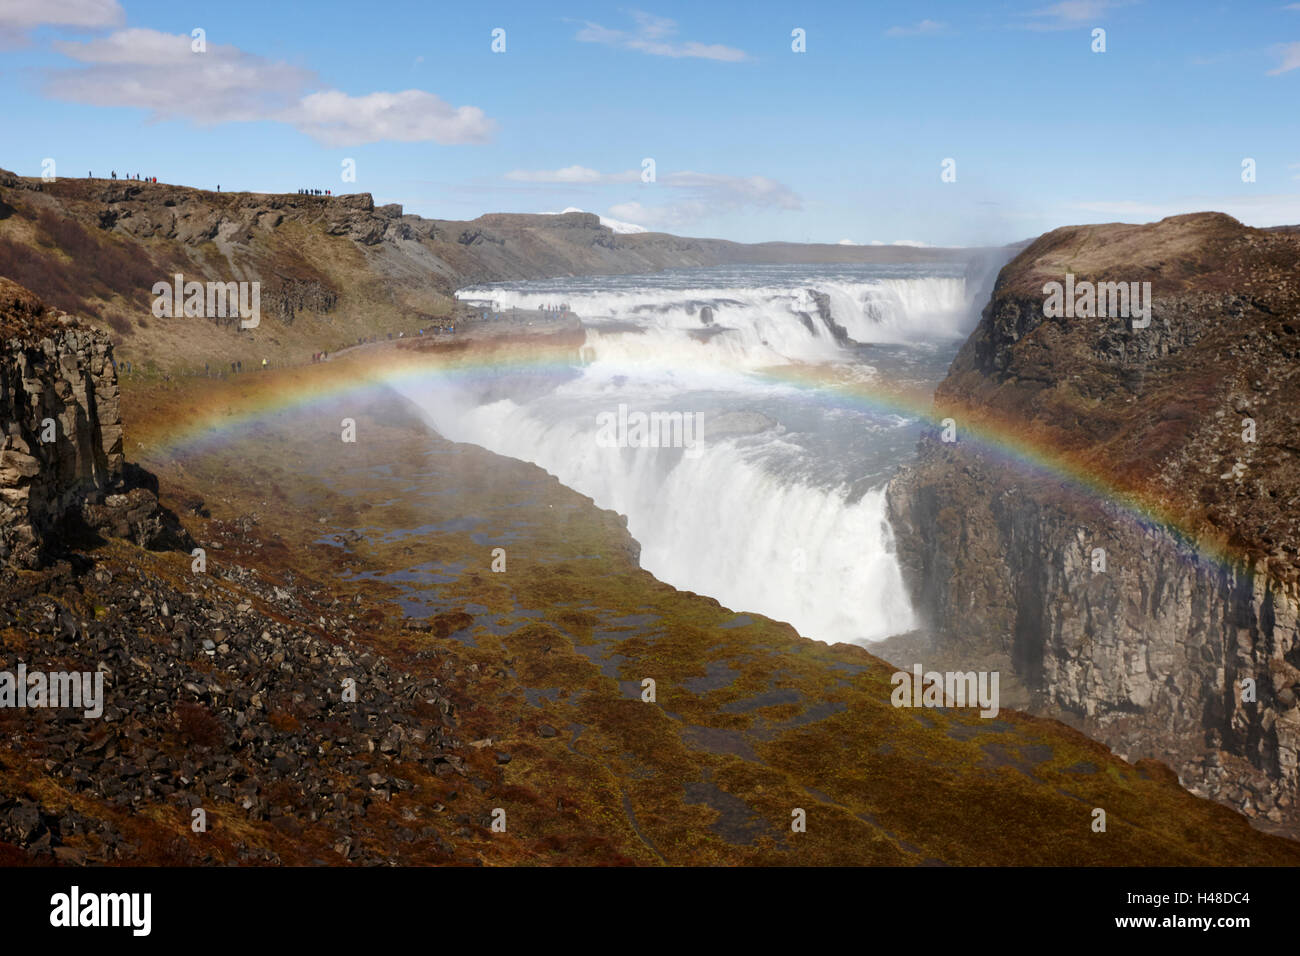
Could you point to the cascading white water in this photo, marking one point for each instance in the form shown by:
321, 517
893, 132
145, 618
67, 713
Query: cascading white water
784, 515
718, 521
778, 322
901, 310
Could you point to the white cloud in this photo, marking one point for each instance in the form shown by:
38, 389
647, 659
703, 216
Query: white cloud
913, 243
138, 45
920, 29
675, 199
1070, 13
412, 116
1289, 53
846, 242
80, 14
572, 174
661, 216
700, 195
653, 36
159, 72
734, 190
690, 195
1253, 210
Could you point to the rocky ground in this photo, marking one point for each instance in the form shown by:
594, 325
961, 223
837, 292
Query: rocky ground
223, 694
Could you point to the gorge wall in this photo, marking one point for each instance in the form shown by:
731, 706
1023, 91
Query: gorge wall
1171, 448
62, 439
62, 474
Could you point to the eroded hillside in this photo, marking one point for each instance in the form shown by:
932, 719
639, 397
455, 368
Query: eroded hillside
1172, 449
332, 269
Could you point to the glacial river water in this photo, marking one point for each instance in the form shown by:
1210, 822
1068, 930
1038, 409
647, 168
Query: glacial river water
788, 370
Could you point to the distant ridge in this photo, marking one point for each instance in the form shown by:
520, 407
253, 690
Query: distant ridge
332, 269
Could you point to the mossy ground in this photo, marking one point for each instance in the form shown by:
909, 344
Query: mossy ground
750, 721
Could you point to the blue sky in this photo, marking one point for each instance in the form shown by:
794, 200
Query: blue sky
750, 140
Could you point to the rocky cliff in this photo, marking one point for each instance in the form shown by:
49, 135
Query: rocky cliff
62, 439
332, 268
61, 463
1116, 522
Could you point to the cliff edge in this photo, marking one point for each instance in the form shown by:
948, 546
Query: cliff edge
331, 270
1116, 521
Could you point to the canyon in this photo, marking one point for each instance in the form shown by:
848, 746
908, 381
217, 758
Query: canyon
521, 689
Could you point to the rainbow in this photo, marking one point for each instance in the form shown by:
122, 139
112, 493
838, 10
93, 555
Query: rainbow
300, 388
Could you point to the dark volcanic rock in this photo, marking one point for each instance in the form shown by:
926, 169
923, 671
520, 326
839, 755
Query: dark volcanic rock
61, 462
252, 721
60, 418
